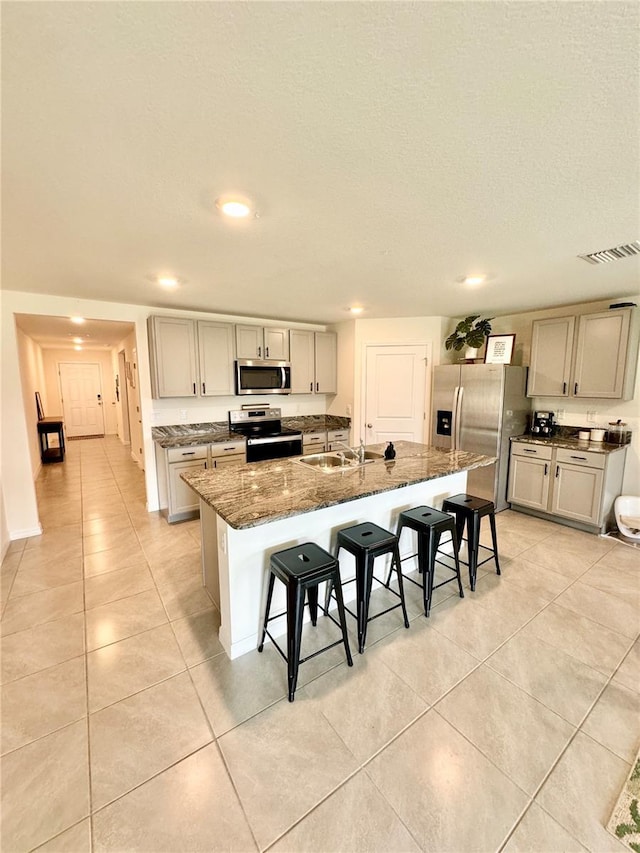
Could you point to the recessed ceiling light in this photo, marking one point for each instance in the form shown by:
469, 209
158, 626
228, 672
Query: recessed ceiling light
77, 340
473, 279
236, 207
77, 320
78, 349
168, 281
356, 309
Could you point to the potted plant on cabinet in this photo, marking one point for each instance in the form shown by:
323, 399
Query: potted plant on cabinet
470, 333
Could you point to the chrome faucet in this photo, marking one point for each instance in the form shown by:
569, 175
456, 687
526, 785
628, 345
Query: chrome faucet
361, 453
353, 452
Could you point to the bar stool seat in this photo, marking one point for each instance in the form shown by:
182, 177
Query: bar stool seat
301, 569
470, 510
430, 524
365, 542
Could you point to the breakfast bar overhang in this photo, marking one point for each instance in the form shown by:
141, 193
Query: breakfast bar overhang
253, 510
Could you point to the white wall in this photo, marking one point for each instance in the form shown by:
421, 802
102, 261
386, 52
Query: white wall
4, 530
32, 378
52, 358
342, 402
18, 492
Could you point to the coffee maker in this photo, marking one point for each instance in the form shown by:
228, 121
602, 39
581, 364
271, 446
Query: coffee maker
542, 425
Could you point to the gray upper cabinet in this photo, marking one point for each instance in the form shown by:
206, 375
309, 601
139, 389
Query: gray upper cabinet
190, 358
551, 350
173, 357
601, 354
326, 363
215, 349
262, 342
314, 366
302, 361
592, 355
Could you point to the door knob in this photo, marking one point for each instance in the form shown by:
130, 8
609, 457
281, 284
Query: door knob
369, 426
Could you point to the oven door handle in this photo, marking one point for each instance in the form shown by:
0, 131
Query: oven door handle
276, 439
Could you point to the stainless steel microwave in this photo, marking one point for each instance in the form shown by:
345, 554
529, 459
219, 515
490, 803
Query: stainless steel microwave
262, 377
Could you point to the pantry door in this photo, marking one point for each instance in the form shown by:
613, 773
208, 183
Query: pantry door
81, 386
396, 393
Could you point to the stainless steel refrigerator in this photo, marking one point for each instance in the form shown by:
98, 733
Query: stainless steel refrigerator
476, 407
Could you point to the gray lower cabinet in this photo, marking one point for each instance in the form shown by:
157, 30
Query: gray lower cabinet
182, 501
177, 501
314, 442
529, 476
575, 487
229, 453
337, 438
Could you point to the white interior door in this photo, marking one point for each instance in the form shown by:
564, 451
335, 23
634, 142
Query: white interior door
395, 393
81, 387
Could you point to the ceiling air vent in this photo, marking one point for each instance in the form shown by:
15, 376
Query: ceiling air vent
607, 255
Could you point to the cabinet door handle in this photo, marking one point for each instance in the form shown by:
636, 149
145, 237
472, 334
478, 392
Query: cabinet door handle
557, 470
194, 389
189, 453
203, 389
575, 388
526, 450
311, 386
564, 387
259, 352
266, 352
317, 386
228, 448
546, 469
582, 458
205, 466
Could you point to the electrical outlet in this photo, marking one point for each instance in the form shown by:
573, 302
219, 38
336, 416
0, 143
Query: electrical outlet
183, 414
591, 417
348, 410
560, 414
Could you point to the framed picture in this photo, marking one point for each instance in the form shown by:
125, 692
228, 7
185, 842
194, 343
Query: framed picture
39, 406
499, 349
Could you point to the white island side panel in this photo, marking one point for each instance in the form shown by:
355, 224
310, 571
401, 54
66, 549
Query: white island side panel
236, 562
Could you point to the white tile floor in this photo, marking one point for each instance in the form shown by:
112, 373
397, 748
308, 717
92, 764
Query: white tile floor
506, 721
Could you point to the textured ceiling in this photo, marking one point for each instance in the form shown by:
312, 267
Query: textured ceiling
391, 148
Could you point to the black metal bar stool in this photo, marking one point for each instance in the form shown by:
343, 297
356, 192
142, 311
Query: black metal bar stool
301, 569
367, 541
430, 524
471, 510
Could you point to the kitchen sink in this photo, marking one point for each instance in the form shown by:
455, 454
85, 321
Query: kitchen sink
329, 463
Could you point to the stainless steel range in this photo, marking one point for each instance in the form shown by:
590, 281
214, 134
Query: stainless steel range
266, 438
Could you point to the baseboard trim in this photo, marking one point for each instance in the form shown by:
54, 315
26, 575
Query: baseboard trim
26, 533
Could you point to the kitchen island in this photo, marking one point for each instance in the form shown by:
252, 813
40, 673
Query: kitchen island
251, 511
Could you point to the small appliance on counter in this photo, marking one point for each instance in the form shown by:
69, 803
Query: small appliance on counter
618, 433
543, 425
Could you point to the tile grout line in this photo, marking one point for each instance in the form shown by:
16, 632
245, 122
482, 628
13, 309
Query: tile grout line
433, 707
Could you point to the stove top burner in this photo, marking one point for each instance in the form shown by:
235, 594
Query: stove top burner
259, 422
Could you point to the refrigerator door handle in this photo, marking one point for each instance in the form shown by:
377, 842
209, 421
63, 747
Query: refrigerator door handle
458, 417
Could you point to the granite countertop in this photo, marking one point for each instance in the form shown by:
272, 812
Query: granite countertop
189, 435
252, 494
571, 443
